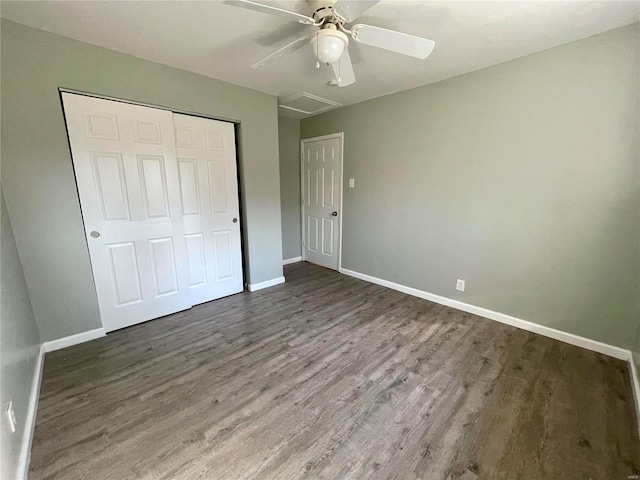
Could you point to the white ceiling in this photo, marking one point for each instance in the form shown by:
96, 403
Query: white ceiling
221, 41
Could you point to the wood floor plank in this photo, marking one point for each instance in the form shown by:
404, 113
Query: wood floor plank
330, 377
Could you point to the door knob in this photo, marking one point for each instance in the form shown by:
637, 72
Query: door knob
235, 220
334, 214
95, 234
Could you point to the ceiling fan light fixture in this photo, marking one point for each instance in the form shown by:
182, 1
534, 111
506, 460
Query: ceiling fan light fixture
329, 44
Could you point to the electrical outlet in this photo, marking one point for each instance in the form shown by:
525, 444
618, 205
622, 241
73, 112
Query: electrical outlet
352, 182
460, 285
11, 417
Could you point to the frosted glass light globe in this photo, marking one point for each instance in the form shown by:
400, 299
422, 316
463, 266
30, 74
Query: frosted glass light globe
329, 45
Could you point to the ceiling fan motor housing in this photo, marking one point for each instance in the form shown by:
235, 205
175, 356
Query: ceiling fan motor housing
322, 9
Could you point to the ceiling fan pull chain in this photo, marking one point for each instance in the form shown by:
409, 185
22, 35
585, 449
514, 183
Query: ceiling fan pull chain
317, 61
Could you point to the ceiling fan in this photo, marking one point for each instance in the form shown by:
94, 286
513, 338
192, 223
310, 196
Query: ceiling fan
331, 41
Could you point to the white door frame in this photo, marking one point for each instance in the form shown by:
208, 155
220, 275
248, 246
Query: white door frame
150, 105
339, 135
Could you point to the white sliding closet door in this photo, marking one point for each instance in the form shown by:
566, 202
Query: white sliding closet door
210, 207
125, 164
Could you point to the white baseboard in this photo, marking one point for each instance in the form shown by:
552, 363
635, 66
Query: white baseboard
635, 386
30, 421
71, 340
269, 283
288, 261
577, 340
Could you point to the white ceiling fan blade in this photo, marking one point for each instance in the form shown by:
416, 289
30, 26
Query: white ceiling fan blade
297, 17
292, 47
343, 70
352, 9
398, 42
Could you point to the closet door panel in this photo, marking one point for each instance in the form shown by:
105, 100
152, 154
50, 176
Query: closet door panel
210, 206
124, 157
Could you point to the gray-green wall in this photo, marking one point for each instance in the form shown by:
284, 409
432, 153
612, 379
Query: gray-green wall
522, 179
37, 171
289, 141
20, 344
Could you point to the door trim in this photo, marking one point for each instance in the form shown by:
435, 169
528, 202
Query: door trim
62, 90
339, 135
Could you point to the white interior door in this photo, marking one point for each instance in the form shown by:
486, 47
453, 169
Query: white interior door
322, 200
126, 171
210, 206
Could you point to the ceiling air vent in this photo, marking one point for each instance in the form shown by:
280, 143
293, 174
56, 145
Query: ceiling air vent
304, 104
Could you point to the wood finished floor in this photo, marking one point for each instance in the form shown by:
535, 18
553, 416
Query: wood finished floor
330, 377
